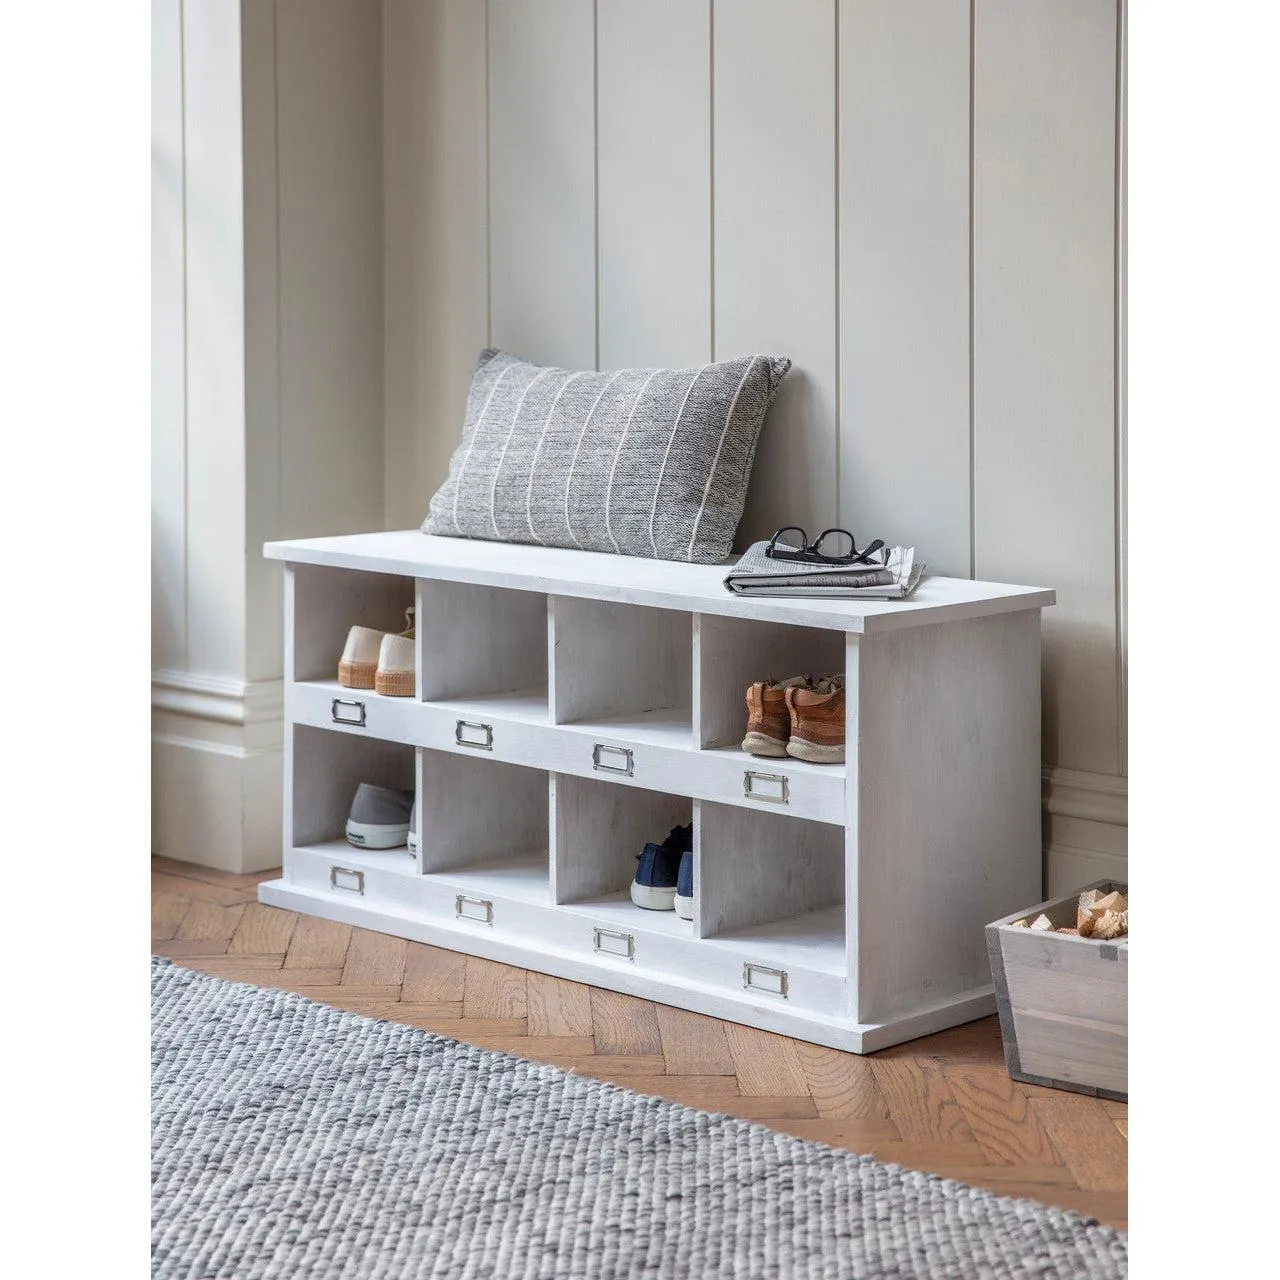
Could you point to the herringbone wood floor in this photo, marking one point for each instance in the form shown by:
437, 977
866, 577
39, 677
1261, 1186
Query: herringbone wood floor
943, 1104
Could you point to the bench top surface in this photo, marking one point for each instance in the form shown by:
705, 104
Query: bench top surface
666, 584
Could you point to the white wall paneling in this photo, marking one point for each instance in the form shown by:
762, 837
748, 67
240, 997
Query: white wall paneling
1044, 339
774, 143
904, 276
542, 173
215, 379
922, 205
264, 517
168, 341
435, 274
267, 131
654, 156
1121, 385
329, 96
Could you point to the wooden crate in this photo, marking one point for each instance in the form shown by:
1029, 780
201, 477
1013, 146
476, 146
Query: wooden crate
1063, 1001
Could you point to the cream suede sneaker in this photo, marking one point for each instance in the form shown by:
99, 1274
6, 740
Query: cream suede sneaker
358, 666
397, 670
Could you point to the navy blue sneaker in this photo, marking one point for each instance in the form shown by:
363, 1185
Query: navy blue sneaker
684, 886
654, 887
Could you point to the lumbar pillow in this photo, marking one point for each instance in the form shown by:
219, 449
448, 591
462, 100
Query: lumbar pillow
641, 462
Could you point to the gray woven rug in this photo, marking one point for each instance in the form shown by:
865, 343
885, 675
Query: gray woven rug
295, 1140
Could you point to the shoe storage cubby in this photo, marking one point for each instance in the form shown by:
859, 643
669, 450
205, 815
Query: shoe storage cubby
483, 825
619, 668
484, 647
327, 603
572, 707
326, 768
734, 653
774, 883
598, 828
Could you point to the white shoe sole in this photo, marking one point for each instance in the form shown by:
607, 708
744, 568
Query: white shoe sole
652, 899
684, 907
815, 753
758, 744
369, 835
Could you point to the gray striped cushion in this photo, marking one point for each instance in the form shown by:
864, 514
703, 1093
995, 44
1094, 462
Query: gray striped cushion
641, 462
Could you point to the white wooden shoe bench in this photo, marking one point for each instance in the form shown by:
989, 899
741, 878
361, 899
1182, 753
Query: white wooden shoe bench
572, 706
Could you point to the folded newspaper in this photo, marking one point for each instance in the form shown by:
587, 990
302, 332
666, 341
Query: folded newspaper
893, 574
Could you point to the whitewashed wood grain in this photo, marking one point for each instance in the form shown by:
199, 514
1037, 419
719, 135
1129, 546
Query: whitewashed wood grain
516, 728
612, 658
599, 829
215, 298
606, 577
361, 713
755, 868
168, 342
473, 810
421, 908
479, 640
654, 72
774, 107
542, 241
435, 263
1045, 343
329, 100
904, 276
946, 833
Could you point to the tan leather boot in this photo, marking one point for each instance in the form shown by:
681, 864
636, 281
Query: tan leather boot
768, 721
817, 722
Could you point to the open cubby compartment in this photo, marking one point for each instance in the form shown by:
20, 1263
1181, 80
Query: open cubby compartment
483, 826
773, 884
327, 768
623, 670
736, 652
327, 602
598, 828
483, 646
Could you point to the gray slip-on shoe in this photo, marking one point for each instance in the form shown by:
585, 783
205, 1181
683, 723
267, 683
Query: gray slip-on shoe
379, 817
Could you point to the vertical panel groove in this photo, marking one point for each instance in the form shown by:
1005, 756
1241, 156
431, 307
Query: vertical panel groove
595, 155
973, 472
186, 328
488, 193
838, 394
281, 530
1121, 321
711, 174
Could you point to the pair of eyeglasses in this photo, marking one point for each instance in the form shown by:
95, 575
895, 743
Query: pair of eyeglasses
831, 546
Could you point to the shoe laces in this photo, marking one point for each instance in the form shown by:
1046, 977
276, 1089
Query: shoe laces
828, 684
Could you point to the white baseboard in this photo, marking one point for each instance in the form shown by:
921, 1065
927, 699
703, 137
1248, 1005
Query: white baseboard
216, 768
1086, 828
